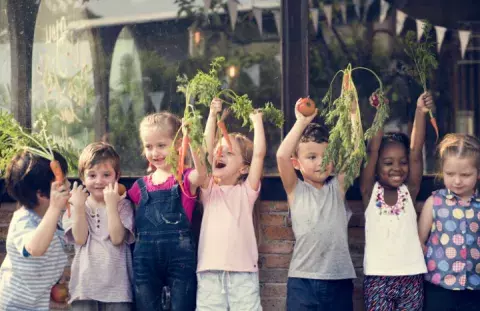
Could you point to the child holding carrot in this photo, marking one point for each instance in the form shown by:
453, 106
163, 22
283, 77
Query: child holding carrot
321, 270
227, 269
390, 182
165, 253
35, 257
101, 227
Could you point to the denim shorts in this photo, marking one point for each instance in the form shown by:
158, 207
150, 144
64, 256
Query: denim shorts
319, 295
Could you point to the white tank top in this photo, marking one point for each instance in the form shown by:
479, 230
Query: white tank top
392, 245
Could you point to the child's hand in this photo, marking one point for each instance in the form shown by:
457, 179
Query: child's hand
78, 195
59, 195
300, 117
256, 116
215, 106
111, 196
425, 102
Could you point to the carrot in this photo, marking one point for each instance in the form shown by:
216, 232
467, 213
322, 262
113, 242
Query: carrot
223, 128
433, 121
59, 177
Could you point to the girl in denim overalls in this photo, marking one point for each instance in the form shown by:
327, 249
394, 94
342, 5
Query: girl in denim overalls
165, 251
449, 229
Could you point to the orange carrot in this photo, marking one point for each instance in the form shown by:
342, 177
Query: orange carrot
223, 128
433, 121
59, 177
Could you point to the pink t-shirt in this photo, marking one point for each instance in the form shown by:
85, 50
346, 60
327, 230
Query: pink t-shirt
227, 237
188, 199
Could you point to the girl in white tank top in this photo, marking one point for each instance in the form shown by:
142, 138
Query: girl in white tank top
390, 182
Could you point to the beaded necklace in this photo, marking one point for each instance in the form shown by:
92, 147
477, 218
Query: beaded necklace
384, 208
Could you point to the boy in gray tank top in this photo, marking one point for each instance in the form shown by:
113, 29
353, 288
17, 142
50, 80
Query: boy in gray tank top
321, 269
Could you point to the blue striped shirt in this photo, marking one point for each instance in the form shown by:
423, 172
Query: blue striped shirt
26, 281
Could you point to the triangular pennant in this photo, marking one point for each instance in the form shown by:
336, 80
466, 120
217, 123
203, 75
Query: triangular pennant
254, 73
366, 7
233, 12
278, 20
259, 18
126, 103
384, 6
314, 16
464, 36
327, 9
343, 9
401, 17
157, 98
440, 31
207, 4
420, 25
278, 58
356, 3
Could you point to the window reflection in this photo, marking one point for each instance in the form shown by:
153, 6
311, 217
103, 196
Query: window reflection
5, 60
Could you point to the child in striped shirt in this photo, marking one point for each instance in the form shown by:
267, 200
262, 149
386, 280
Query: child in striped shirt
35, 257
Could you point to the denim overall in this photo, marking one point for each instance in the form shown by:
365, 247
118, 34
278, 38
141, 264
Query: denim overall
164, 254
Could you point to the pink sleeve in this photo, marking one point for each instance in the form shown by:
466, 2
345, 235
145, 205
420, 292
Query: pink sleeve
252, 194
134, 193
206, 192
125, 211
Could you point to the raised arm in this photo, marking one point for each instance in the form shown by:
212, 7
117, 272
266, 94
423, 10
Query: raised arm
211, 126
287, 148
259, 150
367, 175
424, 104
43, 234
116, 230
79, 221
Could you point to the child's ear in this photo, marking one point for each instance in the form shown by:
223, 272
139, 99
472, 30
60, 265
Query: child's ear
295, 163
244, 169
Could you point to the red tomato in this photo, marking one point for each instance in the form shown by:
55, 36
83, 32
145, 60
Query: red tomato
306, 107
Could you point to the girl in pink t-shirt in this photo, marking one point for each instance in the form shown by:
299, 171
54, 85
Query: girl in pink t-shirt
227, 271
164, 257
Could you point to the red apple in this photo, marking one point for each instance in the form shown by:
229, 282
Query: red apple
306, 107
59, 293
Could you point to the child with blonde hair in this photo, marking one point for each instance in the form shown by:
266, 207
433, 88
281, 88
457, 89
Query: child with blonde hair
449, 229
227, 269
164, 258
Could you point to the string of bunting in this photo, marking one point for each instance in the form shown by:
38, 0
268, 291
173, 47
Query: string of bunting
361, 8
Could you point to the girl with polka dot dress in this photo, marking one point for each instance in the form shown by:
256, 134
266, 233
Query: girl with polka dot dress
449, 229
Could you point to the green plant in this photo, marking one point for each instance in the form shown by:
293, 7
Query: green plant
346, 143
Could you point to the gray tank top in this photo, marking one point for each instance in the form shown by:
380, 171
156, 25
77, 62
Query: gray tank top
320, 224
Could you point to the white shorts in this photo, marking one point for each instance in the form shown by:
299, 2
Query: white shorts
223, 290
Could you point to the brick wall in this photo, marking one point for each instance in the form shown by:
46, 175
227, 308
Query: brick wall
275, 240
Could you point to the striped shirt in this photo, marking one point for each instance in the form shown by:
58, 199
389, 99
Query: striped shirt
100, 270
26, 281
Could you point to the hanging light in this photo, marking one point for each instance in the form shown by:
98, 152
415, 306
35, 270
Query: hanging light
197, 37
232, 71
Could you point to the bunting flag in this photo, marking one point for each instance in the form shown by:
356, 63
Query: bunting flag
343, 9
278, 21
327, 10
233, 12
157, 98
356, 3
254, 73
314, 17
259, 18
420, 25
440, 31
384, 6
207, 4
401, 17
278, 58
464, 36
366, 7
